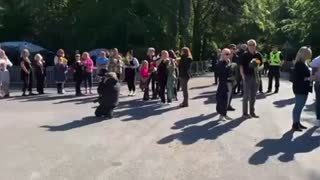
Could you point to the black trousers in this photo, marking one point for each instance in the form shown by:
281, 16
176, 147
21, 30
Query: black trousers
162, 84
274, 72
130, 78
27, 83
88, 80
60, 87
78, 86
154, 85
215, 78
40, 84
222, 102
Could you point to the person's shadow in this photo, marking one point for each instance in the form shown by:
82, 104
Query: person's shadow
74, 124
209, 96
284, 102
193, 120
286, 146
209, 131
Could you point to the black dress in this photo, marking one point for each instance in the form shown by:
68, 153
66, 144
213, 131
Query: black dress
26, 78
40, 74
162, 79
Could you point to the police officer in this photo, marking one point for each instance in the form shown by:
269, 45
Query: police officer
275, 63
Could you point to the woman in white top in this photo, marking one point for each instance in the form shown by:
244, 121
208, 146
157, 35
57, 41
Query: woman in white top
4, 75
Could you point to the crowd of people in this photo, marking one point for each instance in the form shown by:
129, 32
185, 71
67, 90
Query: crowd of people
237, 70
240, 70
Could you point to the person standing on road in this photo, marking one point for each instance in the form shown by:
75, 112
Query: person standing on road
131, 65
115, 64
88, 72
224, 73
249, 64
234, 59
40, 72
78, 74
151, 58
239, 86
102, 62
214, 62
184, 74
172, 77
4, 75
275, 62
301, 85
60, 74
315, 64
26, 72
163, 74
145, 78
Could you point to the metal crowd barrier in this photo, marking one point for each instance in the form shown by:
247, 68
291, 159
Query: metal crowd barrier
197, 68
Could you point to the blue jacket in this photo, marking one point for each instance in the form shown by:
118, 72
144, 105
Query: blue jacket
102, 60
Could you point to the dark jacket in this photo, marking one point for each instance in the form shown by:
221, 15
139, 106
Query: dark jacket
162, 71
224, 72
60, 72
109, 90
78, 68
40, 71
184, 67
299, 84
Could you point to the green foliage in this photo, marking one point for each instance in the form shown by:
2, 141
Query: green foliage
164, 24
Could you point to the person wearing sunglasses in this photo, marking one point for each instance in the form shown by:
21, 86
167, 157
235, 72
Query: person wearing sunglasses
250, 62
224, 73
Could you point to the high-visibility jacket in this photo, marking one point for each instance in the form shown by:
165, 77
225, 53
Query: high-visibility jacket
275, 59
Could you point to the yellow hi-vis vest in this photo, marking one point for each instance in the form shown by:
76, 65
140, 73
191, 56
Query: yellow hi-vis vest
275, 59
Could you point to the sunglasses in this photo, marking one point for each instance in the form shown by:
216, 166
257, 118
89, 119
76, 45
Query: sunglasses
227, 54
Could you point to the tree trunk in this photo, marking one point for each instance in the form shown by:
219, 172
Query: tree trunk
184, 21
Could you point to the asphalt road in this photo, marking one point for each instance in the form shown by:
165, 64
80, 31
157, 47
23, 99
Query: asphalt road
56, 137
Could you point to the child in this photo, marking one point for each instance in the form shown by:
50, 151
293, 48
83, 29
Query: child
4, 75
40, 72
60, 74
145, 77
108, 90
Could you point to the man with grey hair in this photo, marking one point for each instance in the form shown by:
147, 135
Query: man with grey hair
250, 62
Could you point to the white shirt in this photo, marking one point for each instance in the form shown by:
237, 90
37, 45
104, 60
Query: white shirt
4, 63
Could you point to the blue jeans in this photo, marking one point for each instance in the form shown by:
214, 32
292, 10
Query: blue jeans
299, 105
317, 91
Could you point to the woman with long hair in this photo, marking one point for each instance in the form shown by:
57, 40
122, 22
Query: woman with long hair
115, 63
184, 74
301, 85
4, 74
131, 65
163, 75
60, 74
40, 72
172, 77
26, 72
88, 71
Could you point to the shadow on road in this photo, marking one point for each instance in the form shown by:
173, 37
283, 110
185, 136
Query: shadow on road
284, 102
201, 87
286, 146
209, 131
74, 124
210, 97
193, 120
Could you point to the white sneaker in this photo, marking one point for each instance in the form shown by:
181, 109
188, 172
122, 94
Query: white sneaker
317, 124
130, 93
133, 94
222, 118
228, 118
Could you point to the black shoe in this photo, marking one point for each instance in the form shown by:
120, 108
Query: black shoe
254, 115
269, 91
145, 99
296, 127
276, 91
31, 94
302, 126
24, 94
246, 116
6, 96
154, 98
230, 108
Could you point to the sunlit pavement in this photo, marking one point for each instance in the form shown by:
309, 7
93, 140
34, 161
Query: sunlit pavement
57, 137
